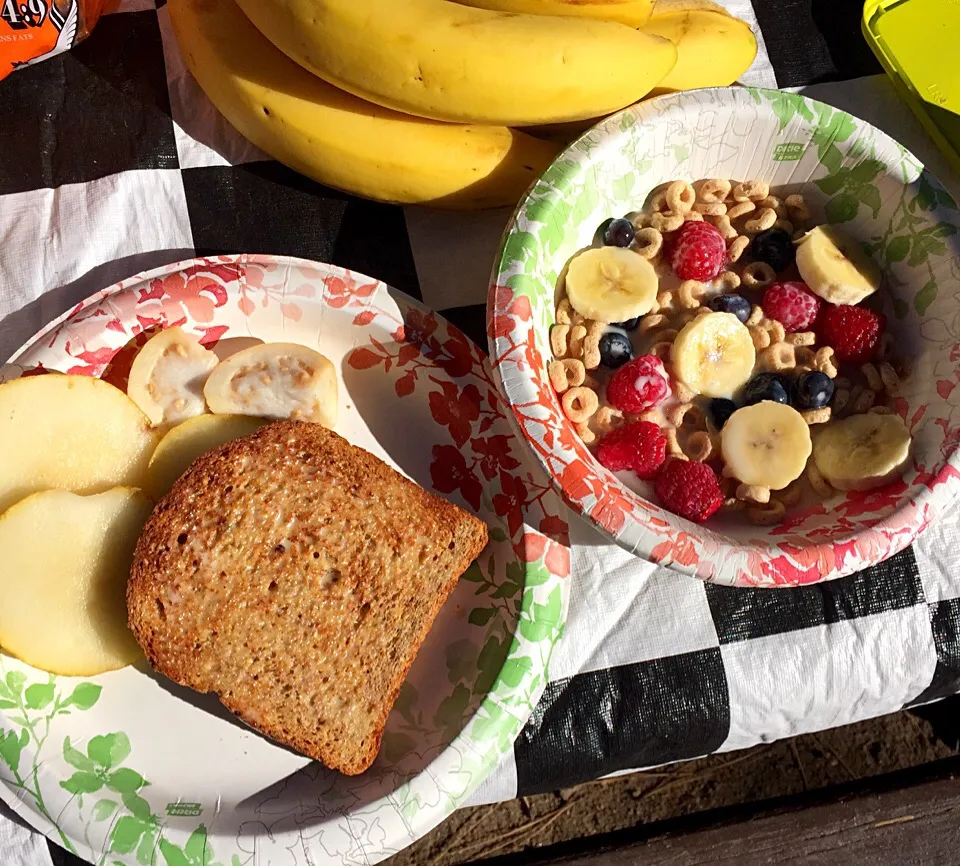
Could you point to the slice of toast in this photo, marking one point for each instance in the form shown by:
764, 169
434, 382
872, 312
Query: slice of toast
296, 576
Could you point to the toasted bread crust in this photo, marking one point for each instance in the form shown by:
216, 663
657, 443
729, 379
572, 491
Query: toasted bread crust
296, 576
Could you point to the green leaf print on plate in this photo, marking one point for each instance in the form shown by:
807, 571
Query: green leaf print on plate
109, 750
36, 708
925, 297
898, 249
97, 769
84, 696
195, 853
518, 250
623, 186
784, 105
841, 209
489, 662
104, 809
930, 196
125, 781
39, 695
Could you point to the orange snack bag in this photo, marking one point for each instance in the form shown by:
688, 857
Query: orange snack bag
34, 30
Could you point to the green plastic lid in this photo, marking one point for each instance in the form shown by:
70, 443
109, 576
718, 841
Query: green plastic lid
917, 42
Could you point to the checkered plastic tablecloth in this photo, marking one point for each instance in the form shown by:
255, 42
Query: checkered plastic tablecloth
112, 161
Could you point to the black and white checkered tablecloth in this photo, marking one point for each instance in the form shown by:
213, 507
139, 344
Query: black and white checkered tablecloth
112, 161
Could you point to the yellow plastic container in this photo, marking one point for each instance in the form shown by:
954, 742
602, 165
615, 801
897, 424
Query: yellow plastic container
917, 42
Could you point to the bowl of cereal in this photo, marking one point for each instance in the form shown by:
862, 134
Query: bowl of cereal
726, 323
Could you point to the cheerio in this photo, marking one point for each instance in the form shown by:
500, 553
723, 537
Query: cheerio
34, 30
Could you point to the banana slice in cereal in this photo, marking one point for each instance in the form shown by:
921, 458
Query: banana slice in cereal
275, 380
836, 267
863, 451
766, 444
611, 284
167, 377
713, 355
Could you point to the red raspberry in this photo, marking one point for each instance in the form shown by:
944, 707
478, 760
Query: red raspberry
639, 446
639, 385
793, 305
689, 489
699, 251
854, 332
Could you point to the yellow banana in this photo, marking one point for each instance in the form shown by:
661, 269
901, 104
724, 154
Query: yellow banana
338, 139
435, 58
713, 48
635, 13
666, 7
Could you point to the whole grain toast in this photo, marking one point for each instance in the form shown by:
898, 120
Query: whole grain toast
295, 576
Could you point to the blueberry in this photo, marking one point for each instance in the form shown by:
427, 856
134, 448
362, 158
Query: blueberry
615, 349
766, 386
629, 324
721, 409
617, 233
735, 304
775, 247
812, 390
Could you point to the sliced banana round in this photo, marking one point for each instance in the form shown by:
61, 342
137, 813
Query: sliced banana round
611, 284
863, 451
836, 267
167, 377
713, 355
766, 444
275, 380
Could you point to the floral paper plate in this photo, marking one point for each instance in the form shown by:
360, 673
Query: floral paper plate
853, 175
128, 768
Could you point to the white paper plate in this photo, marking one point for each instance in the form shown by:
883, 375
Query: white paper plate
128, 768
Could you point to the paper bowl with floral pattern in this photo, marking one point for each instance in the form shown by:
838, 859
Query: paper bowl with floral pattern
853, 175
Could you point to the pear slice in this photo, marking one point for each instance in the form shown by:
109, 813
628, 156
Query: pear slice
66, 559
187, 441
70, 433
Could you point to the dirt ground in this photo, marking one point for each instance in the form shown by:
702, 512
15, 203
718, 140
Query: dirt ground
789, 767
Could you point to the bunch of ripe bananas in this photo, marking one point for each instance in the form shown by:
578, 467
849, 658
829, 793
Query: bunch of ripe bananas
423, 101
